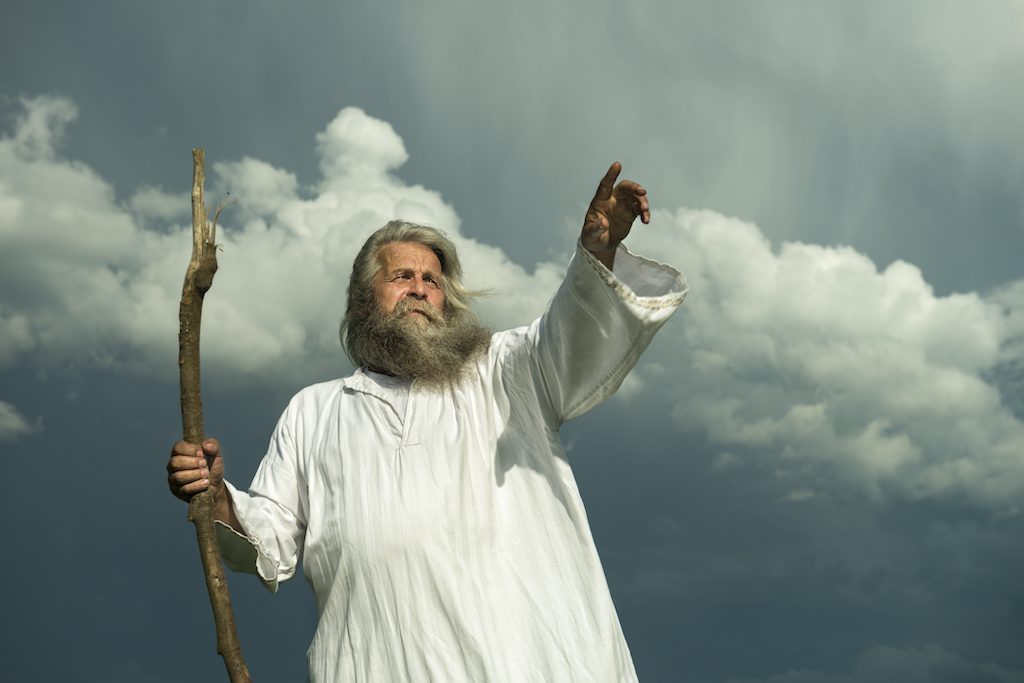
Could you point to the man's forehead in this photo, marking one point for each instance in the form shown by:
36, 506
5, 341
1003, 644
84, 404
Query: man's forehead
408, 255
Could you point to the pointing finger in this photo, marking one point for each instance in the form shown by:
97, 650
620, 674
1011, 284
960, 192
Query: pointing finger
607, 184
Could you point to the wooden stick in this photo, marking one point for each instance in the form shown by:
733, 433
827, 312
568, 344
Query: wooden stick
198, 279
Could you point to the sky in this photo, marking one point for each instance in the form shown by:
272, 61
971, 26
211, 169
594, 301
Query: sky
814, 475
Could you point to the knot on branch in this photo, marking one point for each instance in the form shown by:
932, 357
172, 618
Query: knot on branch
203, 277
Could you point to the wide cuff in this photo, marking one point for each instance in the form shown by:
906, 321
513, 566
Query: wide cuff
639, 280
242, 552
599, 323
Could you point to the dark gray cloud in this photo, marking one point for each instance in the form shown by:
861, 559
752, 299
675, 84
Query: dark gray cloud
889, 128
912, 665
742, 487
724, 578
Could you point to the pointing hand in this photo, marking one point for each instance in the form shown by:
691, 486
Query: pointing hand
611, 214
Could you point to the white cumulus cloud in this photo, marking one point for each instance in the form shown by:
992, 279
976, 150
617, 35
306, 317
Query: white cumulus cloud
154, 204
838, 374
88, 280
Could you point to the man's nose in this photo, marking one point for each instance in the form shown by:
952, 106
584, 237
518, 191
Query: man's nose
418, 288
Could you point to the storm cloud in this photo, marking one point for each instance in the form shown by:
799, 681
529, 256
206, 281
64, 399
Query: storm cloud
813, 476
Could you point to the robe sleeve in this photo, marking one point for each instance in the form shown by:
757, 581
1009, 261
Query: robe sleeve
272, 513
596, 327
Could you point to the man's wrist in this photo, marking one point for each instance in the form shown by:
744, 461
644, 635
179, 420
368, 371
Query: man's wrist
225, 512
605, 256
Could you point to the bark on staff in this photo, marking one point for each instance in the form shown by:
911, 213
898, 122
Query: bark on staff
198, 278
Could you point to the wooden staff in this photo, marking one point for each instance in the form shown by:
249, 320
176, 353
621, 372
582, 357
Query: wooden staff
198, 279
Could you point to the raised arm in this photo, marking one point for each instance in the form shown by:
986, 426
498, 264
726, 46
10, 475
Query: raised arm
599, 321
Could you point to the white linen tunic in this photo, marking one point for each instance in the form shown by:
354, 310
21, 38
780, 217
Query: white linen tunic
447, 541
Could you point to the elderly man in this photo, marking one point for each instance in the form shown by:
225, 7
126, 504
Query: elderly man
427, 494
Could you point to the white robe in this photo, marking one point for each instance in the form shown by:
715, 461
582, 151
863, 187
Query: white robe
449, 543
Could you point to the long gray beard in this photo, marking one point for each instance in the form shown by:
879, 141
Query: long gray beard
435, 352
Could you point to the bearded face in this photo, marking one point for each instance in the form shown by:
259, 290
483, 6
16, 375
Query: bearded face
401, 327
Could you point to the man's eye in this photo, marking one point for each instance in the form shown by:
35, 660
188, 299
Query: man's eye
432, 282
399, 278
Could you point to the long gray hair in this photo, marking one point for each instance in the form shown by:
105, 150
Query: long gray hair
367, 263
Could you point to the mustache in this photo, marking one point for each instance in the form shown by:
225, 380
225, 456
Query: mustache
407, 305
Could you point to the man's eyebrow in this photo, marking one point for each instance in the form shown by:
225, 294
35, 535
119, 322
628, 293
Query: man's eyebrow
399, 271
409, 271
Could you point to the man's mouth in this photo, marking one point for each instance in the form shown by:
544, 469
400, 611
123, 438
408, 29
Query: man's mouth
427, 315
